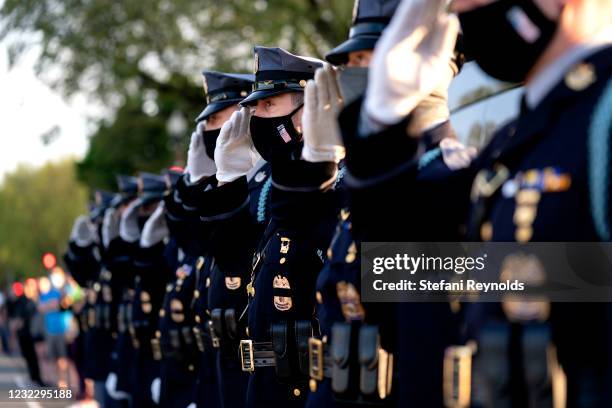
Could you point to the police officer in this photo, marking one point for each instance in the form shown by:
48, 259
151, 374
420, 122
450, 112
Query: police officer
124, 249
152, 273
83, 262
103, 295
565, 62
280, 311
362, 330
221, 301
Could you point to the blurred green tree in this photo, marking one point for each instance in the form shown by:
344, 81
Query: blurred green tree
122, 52
37, 209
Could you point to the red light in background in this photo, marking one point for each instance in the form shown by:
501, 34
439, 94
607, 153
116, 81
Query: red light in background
18, 289
48, 260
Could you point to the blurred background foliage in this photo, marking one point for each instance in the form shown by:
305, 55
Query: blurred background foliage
126, 53
141, 61
37, 209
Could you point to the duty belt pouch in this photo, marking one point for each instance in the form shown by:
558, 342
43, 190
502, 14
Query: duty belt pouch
340, 346
536, 342
231, 325
279, 332
368, 359
186, 331
493, 364
303, 331
175, 340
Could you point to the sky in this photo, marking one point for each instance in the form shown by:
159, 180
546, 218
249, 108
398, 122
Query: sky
28, 109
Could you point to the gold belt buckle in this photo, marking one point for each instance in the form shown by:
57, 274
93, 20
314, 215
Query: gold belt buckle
285, 242
156, 349
246, 356
214, 339
458, 376
315, 358
385, 373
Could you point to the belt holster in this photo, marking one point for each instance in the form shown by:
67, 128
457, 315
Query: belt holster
536, 342
224, 326
280, 342
494, 364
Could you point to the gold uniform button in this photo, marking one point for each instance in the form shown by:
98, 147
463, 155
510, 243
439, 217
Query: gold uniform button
190, 368
197, 319
523, 234
313, 385
162, 313
486, 231
319, 297
296, 392
581, 77
196, 294
157, 334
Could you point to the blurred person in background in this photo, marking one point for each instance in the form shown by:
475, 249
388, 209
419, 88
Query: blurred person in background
23, 310
4, 331
55, 328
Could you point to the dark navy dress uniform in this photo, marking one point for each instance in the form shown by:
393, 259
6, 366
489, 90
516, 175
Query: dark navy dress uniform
303, 214
106, 295
152, 272
548, 157
180, 353
151, 188
235, 239
338, 284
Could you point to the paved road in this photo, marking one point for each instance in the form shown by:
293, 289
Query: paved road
13, 376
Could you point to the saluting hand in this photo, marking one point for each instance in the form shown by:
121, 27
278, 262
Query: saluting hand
410, 59
234, 153
199, 165
83, 232
155, 229
129, 230
321, 133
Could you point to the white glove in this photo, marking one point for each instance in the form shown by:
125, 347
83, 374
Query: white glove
409, 59
455, 155
234, 153
155, 229
111, 388
128, 227
199, 165
83, 232
155, 390
192, 405
110, 226
322, 103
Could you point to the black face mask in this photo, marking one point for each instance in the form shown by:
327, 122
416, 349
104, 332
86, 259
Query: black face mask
210, 141
507, 37
275, 137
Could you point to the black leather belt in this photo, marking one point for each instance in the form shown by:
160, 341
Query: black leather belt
253, 355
